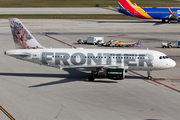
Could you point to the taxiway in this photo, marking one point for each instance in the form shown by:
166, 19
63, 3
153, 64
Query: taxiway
34, 92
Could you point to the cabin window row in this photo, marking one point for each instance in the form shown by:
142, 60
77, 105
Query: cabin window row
99, 57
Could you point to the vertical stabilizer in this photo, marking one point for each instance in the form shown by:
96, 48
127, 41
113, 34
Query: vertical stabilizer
22, 37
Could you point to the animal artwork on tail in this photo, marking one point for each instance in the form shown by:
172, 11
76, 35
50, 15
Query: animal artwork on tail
22, 37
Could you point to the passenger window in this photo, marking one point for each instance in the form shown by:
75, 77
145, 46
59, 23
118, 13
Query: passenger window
160, 57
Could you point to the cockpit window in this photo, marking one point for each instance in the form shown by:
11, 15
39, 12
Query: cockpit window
163, 57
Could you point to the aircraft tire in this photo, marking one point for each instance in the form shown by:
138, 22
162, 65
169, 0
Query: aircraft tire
149, 77
169, 46
91, 78
163, 20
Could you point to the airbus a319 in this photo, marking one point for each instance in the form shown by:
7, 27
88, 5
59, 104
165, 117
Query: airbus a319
111, 62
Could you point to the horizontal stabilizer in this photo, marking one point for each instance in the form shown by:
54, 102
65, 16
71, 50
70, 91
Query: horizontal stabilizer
17, 53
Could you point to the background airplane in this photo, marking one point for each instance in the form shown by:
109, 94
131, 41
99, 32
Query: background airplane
111, 62
165, 14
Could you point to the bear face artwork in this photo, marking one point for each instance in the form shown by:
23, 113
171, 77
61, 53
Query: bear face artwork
20, 37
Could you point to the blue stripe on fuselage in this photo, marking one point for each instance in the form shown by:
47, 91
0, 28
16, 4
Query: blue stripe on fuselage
160, 13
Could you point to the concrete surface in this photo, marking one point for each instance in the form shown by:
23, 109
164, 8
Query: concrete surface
33, 92
56, 10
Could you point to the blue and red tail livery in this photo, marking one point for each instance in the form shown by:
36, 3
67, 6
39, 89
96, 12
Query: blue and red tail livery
166, 14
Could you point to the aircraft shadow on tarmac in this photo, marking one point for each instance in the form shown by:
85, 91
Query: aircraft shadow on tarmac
73, 76
134, 21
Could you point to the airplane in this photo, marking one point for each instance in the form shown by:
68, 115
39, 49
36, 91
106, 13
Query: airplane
110, 62
165, 14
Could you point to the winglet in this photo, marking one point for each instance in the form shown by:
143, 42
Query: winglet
170, 11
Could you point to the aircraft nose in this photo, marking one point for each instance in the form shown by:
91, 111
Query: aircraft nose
173, 63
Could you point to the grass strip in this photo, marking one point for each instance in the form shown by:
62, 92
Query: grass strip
85, 3
66, 16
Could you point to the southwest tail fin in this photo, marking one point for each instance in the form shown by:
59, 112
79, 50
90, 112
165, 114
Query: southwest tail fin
22, 37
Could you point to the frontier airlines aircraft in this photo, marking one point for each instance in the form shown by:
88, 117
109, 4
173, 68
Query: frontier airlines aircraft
111, 62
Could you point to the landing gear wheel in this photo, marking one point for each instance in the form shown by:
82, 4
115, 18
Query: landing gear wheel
169, 21
149, 77
163, 20
166, 20
91, 78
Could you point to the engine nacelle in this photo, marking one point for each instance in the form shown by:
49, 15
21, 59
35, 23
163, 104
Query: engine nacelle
117, 73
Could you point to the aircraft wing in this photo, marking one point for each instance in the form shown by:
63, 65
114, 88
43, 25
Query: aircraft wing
90, 66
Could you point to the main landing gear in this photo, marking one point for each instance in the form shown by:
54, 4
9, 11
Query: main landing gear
167, 20
149, 75
93, 75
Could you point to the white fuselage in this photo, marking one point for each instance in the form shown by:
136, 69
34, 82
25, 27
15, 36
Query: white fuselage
94, 58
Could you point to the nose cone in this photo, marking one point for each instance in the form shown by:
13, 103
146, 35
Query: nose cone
173, 63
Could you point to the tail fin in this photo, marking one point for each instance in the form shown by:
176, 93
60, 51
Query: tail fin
22, 37
120, 6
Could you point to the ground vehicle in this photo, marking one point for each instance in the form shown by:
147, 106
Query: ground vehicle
178, 43
166, 45
109, 43
81, 41
169, 45
123, 44
92, 40
95, 40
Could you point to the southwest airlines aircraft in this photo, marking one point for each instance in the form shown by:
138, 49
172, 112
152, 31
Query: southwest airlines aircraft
111, 62
165, 14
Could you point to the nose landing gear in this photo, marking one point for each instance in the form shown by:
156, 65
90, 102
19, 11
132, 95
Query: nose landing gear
149, 75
